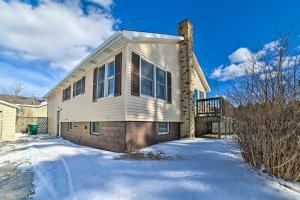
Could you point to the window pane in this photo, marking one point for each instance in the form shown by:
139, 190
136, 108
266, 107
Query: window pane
111, 86
163, 127
147, 87
101, 74
111, 69
160, 91
160, 76
147, 69
78, 87
95, 127
100, 89
196, 95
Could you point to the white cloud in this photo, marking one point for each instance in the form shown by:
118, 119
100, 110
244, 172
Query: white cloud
60, 33
235, 69
103, 3
240, 55
224, 73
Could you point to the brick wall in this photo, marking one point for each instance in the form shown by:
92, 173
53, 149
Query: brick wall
142, 134
111, 137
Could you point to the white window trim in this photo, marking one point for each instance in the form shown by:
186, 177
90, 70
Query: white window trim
70, 129
92, 132
108, 78
80, 93
98, 82
105, 79
80, 88
168, 129
165, 85
154, 81
64, 93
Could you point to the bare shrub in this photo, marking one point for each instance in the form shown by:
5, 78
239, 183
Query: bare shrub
267, 111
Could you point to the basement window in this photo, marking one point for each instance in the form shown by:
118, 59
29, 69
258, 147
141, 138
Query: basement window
163, 128
70, 126
95, 128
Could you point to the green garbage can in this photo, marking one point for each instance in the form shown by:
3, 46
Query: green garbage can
32, 129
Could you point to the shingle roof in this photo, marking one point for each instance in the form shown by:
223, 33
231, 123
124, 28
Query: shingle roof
20, 100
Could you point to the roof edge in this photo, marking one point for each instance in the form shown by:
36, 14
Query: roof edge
77, 67
201, 74
9, 104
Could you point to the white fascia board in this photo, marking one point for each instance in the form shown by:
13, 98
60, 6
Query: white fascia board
202, 77
8, 104
145, 36
98, 49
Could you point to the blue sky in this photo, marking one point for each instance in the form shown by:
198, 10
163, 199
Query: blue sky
40, 41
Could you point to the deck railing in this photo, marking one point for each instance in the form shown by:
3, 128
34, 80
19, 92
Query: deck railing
210, 107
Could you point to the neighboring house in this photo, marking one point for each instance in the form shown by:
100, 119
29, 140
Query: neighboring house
134, 90
14, 108
8, 114
33, 110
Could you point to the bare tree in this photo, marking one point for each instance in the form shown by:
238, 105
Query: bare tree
13, 91
16, 88
267, 110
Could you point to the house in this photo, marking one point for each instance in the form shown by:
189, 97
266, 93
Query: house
16, 112
8, 114
134, 90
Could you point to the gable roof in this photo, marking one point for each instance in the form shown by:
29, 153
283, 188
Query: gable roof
20, 100
112, 44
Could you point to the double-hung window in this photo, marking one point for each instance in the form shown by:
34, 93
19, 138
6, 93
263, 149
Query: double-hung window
101, 81
160, 84
110, 78
78, 88
153, 81
66, 94
147, 78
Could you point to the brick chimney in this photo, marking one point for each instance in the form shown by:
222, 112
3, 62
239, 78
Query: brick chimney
186, 62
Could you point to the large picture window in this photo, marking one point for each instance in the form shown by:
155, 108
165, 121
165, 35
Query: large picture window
110, 78
147, 78
160, 84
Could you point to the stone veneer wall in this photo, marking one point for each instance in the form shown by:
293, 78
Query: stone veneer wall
119, 136
186, 63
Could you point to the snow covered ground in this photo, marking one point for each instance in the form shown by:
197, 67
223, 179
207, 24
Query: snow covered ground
201, 169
